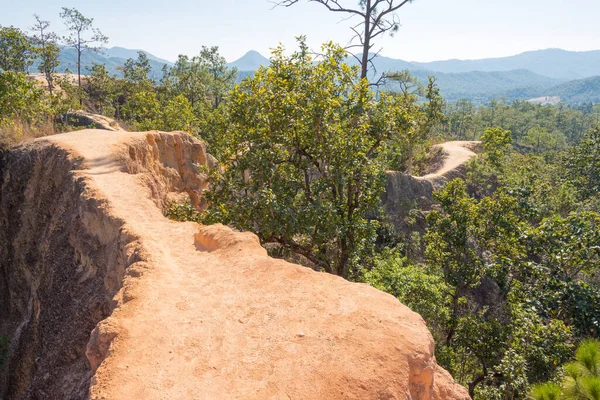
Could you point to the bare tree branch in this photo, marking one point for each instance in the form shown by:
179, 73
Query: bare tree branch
331, 5
378, 17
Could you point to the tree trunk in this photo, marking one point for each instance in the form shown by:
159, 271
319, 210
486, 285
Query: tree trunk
366, 42
79, 74
472, 385
343, 267
50, 80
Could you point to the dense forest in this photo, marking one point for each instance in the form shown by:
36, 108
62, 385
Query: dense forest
505, 273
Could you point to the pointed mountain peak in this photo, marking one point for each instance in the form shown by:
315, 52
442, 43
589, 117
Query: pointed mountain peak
250, 61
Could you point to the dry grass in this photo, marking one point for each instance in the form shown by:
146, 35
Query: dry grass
14, 132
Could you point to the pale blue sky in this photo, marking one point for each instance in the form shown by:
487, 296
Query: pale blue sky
431, 29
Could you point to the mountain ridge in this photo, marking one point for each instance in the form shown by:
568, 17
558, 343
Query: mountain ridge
552, 63
535, 74
251, 61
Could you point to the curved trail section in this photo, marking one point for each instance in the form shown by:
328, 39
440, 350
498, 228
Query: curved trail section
204, 313
457, 154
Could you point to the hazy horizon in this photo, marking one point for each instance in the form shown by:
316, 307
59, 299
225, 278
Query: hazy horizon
431, 30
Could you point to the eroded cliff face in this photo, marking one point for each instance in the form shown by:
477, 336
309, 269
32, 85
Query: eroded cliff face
61, 262
408, 198
104, 298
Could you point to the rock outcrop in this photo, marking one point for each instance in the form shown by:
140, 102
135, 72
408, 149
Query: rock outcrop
103, 297
405, 193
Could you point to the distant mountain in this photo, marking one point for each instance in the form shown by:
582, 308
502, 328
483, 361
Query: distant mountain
574, 92
251, 61
553, 63
535, 74
113, 58
481, 87
386, 64
579, 91
525, 76
121, 52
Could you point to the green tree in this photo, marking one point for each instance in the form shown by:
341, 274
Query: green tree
583, 163
137, 71
546, 391
415, 287
15, 49
462, 120
46, 50
188, 77
222, 79
582, 380
146, 112
177, 115
142, 109
20, 99
104, 91
496, 143
80, 37
299, 165
582, 377
496, 339
416, 120
541, 140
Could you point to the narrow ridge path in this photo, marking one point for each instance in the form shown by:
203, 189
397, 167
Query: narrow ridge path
210, 316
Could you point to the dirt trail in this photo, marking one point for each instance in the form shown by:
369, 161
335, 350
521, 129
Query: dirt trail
206, 314
457, 154
96, 121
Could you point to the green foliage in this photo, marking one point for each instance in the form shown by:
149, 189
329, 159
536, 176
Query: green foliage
136, 71
20, 98
465, 121
221, 79
79, 25
299, 165
177, 114
103, 91
499, 337
496, 143
415, 121
187, 77
15, 49
143, 110
583, 161
82, 35
541, 140
183, 212
146, 112
545, 391
46, 50
582, 376
190, 96
416, 288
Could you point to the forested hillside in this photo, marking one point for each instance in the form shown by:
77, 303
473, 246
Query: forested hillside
482, 87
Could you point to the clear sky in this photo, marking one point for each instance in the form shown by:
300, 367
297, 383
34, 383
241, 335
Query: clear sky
431, 29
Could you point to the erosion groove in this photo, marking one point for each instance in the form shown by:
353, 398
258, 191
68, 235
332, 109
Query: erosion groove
105, 298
